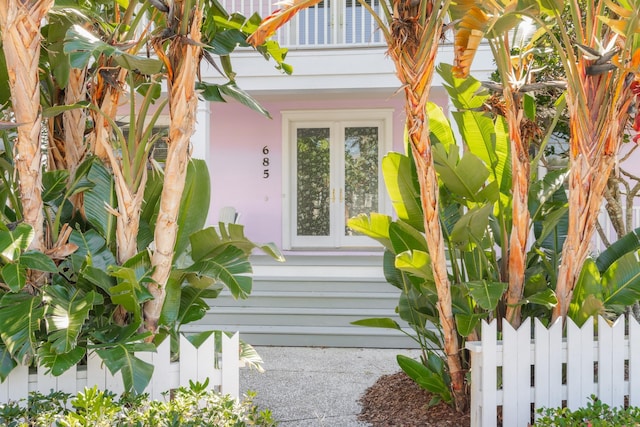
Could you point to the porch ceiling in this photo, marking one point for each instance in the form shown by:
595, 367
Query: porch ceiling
336, 69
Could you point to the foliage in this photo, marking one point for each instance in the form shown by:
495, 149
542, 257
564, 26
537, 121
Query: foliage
188, 406
596, 414
474, 202
87, 289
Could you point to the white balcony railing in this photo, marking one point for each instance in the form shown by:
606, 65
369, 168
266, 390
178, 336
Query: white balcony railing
330, 23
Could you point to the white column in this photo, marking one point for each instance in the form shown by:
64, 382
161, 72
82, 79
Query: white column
201, 139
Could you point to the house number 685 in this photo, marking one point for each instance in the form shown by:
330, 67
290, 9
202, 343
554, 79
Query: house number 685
265, 162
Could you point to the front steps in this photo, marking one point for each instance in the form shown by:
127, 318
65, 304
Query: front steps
310, 300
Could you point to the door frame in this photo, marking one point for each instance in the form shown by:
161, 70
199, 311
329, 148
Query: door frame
336, 118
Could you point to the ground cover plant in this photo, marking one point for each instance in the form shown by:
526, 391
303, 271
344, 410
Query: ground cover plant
596, 414
185, 406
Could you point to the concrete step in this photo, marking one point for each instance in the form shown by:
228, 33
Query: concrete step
278, 316
315, 336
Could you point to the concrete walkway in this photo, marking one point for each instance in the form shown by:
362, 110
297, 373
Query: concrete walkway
314, 386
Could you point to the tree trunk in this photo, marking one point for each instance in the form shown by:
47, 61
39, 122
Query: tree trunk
74, 121
435, 242
520, 167
587, 183
20, 26
183, 62
416, 78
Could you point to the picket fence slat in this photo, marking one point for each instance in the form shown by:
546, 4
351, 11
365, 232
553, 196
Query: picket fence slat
516, 366
580, 370
230, 381
548, 366
592, 367
634, 362
194, 365
611, 363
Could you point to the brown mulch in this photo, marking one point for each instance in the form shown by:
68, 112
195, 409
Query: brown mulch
397, 401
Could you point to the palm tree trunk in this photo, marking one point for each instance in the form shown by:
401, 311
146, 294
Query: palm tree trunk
587, 183
183, 59
74, 121
20, 26
520, 167
416, 78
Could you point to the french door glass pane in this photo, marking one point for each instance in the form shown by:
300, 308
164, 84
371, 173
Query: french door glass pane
313, 182
361, 172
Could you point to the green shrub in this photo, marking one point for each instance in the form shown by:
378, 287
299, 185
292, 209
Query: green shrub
192, 406
596, 414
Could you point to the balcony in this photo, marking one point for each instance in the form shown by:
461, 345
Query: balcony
334, 46
330, 23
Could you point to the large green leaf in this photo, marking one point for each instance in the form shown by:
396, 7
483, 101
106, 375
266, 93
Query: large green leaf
135, 372
20, 316
149, 211
486, 294
231, 267
466, 323
16, 241
466, 94
627, 243
402, 186
225, 42
171, 305
38, 261
58, 363
193, 306
67, 311
588, 289
14, 276
471, 228
81, 45
425, 378
6, 363
621, 282
378, 322
210, 242
128, 292
54, 184
92, 247
212, 92
439, 126
374, 225
98, 198
546, 298
545, 190
404, 237
465, 177
194, 205
391, 274
415, 262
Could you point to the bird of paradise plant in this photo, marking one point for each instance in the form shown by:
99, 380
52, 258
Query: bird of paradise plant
601, 63
474, 21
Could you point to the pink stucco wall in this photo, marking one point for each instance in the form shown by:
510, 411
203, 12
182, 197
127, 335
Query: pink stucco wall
236, 157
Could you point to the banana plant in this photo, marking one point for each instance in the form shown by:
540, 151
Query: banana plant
610, 283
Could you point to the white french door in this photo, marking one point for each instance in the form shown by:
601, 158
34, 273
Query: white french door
333, 175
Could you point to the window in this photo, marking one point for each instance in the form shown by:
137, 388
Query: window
332, 173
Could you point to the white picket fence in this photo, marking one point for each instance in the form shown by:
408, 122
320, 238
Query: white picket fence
564, 370
195, 364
